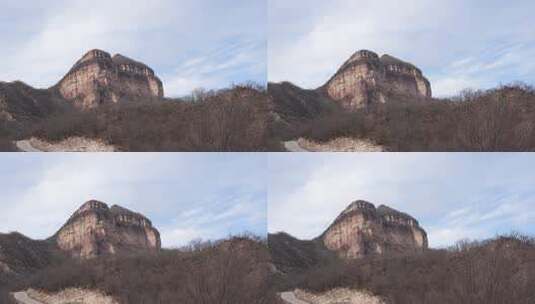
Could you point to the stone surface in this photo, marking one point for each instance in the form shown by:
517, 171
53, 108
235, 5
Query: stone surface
338, 296
95, 230
97, 78
367, 78
362, 230
340, 144
70, 296
71, 144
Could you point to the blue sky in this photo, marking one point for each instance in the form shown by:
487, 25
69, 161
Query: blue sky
458, 44
186, 195
189, 43
454, 195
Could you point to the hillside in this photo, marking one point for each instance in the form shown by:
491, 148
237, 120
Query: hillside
381, 255
499, 119
232, 271
360, 230
120, 102
500, 270
388, 102
293, 255
116, 253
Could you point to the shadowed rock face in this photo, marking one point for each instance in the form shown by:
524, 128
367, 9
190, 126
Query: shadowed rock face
367, 78
361, 230
97, 78
95, 229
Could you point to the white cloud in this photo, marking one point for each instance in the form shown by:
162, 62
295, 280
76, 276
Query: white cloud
307, 46
42, 207
212, 69
454, 196
186, 196
161, 33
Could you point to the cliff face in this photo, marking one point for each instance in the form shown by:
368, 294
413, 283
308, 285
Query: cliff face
97, 78
95, 229
365, 78
361, 230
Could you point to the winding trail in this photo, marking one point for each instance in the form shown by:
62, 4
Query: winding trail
26, 146
290, 298
22, 298
293, 146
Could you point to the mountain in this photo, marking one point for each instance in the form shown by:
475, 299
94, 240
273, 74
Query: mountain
20, 102
363, 80
20, 254
112, 255
361, 230
95, 230
290, 254
98, 78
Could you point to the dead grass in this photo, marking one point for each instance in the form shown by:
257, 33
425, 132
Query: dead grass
496, 271
234, 271
502, 119
235, 119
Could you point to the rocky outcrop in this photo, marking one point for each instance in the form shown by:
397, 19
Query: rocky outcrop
367, 78
362, 230
97, 78
95, 230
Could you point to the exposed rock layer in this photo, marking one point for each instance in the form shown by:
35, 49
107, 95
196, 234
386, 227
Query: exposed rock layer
362, 230
95, 229
97, 78
367, 78
364, 79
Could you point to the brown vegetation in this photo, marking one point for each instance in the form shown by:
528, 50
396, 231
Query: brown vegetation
236, 119
19, 257
502, 119
233, 271
496, 271
6, 143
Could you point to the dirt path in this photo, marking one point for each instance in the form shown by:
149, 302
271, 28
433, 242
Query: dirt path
23, 298
290, 298
26, 146
293, 146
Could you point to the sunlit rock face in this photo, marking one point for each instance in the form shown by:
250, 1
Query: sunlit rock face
97, 78
95, 230
366, 78
362, 230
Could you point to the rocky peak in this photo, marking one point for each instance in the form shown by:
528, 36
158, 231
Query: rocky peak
98, 78
95, 229
366, 78
91, 205
359, 205
362, 229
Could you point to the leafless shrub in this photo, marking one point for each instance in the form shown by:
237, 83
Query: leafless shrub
496, 120
232, 271
501, 270
235, 119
